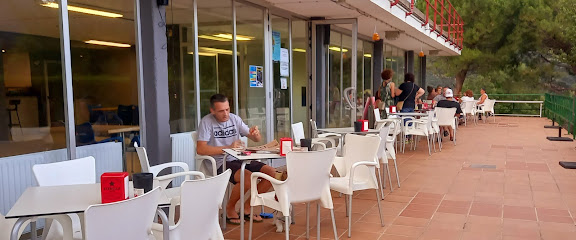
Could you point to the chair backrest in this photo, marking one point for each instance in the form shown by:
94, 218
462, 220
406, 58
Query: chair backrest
360, 149
468, 106
129, 219
490, 105
377, 114
445, 116
143, 157
310, 169
77, 171
314, 128
298, 132
200, 202
384, 130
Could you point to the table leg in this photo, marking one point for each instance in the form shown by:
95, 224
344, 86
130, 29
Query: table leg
242, 167
16, 227
165, 224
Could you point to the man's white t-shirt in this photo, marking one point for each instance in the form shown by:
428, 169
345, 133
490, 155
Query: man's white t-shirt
220, 134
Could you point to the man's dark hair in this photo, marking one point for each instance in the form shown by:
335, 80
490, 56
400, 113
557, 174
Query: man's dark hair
217, 98
408, 77
430, 89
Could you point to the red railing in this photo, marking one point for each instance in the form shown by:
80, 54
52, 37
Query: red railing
446, 20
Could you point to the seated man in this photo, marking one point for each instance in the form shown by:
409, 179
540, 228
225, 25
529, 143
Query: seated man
449, 103
221, 130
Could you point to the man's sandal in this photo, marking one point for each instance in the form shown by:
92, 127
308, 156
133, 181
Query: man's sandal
230, 220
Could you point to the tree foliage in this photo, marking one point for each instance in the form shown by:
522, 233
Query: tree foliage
513, 46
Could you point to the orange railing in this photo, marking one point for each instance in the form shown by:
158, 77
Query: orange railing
446, 21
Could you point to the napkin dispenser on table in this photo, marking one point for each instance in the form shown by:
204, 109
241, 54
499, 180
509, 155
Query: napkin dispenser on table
286, 146
361, 126
114, 186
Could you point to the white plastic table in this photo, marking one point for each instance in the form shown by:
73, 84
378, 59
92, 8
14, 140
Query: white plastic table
56, 200
346, 130
416, 114
244, 159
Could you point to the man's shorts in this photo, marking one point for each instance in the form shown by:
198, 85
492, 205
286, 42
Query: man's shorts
254, 166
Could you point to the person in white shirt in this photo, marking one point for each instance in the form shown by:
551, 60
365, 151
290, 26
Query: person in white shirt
468, 96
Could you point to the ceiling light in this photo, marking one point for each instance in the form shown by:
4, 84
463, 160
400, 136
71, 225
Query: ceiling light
204, 54
110, 44
337, 49
85, 10
3, 50
215, 38
368, 55
299, 50
238, 37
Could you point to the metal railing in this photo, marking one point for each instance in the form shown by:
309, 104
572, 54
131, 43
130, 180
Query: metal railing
446, 21
562, 110
512, 108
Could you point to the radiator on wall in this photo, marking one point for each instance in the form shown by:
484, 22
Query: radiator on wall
183, 150
16, 171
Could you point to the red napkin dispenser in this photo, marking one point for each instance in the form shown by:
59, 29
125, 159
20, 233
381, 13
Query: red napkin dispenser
114, 186
364, 125
425, 106
286, 145
392, 109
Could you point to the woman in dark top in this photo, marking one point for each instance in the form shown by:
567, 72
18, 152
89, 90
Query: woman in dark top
409, 92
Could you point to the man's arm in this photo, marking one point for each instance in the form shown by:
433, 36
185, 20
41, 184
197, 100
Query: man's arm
419, 93
202, 148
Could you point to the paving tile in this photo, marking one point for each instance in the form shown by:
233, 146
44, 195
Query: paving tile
486, 209
516, 212
400, 230
556, 219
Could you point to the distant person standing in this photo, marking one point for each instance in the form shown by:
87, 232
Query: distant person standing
408, 93
386, 93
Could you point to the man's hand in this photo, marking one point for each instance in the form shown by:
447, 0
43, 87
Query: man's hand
254, 134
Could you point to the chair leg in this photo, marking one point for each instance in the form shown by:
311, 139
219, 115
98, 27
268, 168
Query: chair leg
390, 179
428, 141
252, 222
397, 174
307, 220
379, 209
350, 214
433, 145
346, 203
380, 181
318, 220
333, 225
286, 226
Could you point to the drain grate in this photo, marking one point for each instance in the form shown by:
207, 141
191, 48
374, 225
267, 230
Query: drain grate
483, 166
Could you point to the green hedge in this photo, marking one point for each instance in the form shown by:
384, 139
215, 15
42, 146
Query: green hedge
562, 110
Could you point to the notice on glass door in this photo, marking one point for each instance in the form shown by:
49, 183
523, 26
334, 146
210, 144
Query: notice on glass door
276, 41
283, 83
284, 63
256, 76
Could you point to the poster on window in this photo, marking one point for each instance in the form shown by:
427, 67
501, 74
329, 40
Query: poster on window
283, 83
256, 76
276, 46
284, 63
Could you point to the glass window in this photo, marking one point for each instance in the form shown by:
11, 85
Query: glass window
367, 78
346, 80
300, 74
334, 79
31, 88
359, 80
251, 67
104, 72
280, 76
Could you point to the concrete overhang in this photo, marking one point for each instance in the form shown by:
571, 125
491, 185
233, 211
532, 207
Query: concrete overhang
413, 36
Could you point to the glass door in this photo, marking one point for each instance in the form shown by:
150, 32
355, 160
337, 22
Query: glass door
281, 76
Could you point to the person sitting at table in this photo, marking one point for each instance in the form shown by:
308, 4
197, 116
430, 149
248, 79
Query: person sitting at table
440, 96
483, 97
468, 96
222, 130
408, 92
431, 93
449, 103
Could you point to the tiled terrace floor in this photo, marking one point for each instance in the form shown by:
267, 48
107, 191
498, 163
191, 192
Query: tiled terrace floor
527, 196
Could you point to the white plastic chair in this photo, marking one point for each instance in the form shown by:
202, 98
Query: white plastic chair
71, 172
446, 118
201, 200
489, 108
310, 169
382, 157
315, 133
469, 109
128, 219
165, 180
6, 227
419, 127
200, 166
395, 129
357, 170
298, 134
